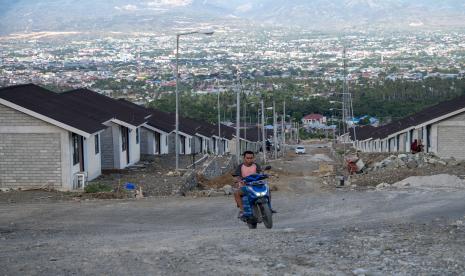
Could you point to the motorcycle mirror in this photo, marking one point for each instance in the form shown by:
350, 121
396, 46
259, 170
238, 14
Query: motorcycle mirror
267, 168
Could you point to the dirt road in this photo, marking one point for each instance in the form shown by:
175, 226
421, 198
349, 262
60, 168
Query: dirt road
317, 231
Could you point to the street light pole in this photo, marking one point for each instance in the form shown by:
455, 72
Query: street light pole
245, 123
283, 122
262, 102
176, 140
238, 124
219, 121
177, 90
275, 131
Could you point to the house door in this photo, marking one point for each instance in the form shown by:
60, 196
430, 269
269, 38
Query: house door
183, 144
78, 151
125, 142
81, 153
157, 143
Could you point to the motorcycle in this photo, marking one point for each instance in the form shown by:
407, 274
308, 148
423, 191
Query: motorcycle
256, 201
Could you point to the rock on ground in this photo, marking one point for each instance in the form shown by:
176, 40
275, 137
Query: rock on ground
433, 181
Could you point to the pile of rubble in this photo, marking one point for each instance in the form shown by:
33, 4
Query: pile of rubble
440, 181
389, 169
411, 161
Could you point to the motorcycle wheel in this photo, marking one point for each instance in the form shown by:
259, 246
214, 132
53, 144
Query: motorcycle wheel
266, 215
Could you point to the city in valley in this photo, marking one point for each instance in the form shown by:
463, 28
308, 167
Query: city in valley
140, 66
189, 137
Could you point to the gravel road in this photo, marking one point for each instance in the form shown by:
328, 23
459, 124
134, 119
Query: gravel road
317, 231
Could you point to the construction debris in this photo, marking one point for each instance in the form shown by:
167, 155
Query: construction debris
325, 168
228, 190
384, 169
433, 181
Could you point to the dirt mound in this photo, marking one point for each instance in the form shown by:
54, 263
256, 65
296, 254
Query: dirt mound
217, 182
434, 181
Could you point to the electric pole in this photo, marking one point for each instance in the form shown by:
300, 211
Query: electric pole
262, 102
275, 131
238, 122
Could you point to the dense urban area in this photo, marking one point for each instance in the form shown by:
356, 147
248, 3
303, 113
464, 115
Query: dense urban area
141, 65
298, 65
363, 132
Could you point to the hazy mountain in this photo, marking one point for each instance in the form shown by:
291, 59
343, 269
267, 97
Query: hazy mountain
141, 15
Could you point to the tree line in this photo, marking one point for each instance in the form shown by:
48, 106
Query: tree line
387, 100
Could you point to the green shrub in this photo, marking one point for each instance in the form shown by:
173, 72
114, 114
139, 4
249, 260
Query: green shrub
97, 187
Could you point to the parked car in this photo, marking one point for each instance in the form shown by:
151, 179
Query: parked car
299, 150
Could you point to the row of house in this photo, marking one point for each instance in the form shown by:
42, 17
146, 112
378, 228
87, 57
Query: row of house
440, 129
57, 139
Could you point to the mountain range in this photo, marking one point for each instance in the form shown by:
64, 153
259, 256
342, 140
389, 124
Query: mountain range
150, 15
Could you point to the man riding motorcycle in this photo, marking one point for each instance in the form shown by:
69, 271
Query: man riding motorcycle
248, 167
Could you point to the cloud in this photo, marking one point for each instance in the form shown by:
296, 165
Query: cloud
167, 3
245, 8
127, 8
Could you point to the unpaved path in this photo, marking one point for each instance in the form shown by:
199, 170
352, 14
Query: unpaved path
317, 231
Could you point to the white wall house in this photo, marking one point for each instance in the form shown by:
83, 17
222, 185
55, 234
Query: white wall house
121, 145
153, 141
121, 139
205, 143
42, 148
185, 143
54, 140
314, 119
439, 129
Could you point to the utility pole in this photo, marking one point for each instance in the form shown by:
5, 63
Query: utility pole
344, 94
298, 134
245, 122
238, 122
176, 140
177, 89
219, 120
292, 128
262, 102
275, 131
283, 122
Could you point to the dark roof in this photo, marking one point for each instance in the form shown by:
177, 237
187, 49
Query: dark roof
165, 121
51, 105
162, 120
362, 132
104, 108
140, 108
423, 116
227, 132
251, 134
197, 127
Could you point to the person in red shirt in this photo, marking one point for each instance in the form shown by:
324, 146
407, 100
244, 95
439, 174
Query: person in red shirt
245, 169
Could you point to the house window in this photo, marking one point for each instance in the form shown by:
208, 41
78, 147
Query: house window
137, 136
75, 139
166, 140
97, 144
